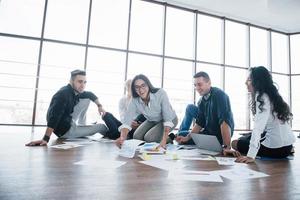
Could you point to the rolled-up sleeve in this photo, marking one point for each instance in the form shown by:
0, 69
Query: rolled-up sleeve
129, 116
223, 109
168, 113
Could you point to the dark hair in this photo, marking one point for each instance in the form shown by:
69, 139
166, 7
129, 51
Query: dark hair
202, 74
77, 72
152, 89
262, 82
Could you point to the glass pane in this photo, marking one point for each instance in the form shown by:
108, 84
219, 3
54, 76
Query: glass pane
18, 58
67, 20
105, 76
147, 65
180, 33
238, 94
296, 102
259, 47
19, 50
146, 38
63, 55
58, 60
209, 44
15, 112
178, 83
236, 44
279, 53
295, 58
109, 23
282, 83
21, 17
215, 73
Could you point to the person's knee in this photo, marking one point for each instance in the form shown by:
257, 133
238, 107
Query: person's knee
102, 128
190, 108
234, 144
152, 138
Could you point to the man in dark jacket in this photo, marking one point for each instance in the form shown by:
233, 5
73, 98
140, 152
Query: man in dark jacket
214, 113
66, 114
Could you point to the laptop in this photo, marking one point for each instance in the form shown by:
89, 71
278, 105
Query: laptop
207, 142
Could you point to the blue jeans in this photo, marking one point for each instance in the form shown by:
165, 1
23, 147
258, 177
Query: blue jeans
191, 112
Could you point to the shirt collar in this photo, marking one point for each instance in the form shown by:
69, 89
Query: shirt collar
151, 96
206, 96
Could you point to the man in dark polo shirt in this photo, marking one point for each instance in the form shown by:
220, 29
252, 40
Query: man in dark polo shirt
66, 114
214, 113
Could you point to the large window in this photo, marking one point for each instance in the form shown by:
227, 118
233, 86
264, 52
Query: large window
109, 23
178, 82
238, 94
146, 29
236, 52
209, 40
67, 20
279, 53
295, 58
18, 60
296, 102
180, 33
259, 47
114, 40
105, 78
21, 17
295, 69
282, 83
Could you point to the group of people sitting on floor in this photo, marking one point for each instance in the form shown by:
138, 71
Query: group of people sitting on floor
146, 114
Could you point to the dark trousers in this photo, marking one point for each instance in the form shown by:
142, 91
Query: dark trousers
282, 152
113, 124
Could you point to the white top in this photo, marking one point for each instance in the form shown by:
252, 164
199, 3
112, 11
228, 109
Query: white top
123, 107
158, 109
278, 134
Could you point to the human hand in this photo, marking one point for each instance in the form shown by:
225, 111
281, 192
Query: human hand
244, 159
37, 143
163, 144
181, 139
101, 110
134, 124
231, 152
119, 142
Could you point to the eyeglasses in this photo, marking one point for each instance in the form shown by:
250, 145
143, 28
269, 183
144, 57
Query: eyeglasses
138, 87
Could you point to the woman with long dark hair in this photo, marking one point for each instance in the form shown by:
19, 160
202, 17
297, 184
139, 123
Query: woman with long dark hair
154, 104
271, 135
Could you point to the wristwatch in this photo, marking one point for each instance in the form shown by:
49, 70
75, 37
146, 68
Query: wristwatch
224, 146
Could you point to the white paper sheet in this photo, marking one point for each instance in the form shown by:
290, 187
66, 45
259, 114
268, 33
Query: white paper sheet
66, 146
185, 175
240, 173
228, 161
201, 157
164, 164
129, 147
103, 164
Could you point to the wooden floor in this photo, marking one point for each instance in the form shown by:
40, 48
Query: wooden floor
48, 173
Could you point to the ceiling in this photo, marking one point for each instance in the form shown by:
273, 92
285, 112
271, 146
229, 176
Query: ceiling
280, 15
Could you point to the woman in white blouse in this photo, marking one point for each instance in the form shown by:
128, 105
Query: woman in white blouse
154, 104
271, 135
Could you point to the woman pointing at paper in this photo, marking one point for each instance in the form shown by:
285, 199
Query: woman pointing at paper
154, 104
